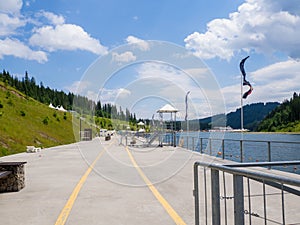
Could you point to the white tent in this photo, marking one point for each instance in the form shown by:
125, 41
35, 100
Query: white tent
61, 108
140, 123
167, 109
51, 106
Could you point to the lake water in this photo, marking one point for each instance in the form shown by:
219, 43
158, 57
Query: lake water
256, 147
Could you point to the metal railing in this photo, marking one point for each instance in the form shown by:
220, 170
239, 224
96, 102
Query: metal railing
246, 196
244, 150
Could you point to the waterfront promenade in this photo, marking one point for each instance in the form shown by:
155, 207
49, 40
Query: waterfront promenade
102, 182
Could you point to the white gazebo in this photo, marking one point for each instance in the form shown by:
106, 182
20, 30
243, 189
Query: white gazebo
141, 125
170, 109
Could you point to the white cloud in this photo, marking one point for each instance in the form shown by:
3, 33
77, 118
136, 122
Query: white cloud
123, 57
112, 95
66, 37
10, 18
9, 24
11, 6
18, 49
141, 44
79, 87
122, 93
272, 83
257, 25
53, 18
167, 82
50, 35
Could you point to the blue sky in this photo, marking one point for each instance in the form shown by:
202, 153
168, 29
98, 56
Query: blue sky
58, 41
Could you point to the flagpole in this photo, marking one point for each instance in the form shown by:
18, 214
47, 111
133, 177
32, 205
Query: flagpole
242, 111
186, 118
186, 110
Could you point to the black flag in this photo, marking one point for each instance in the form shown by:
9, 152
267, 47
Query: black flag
245, 82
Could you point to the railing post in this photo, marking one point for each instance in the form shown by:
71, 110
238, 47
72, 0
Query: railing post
210, 147
238, 192
187, 142
215, 197
241, 150
193, 143
201, 150
269, 153
223, 149
196, 194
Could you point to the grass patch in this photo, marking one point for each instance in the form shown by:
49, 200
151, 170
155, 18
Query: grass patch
24, 121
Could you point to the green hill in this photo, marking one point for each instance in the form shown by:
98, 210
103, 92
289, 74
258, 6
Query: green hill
284, 118
25, 121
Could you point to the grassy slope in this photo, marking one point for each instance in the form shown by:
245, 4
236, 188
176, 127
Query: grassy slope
21, 123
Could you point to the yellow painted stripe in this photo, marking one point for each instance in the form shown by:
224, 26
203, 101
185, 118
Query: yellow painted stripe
176, 218
63, 216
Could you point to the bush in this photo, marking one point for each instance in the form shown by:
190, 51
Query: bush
9, 102
1, 106
46, 120
7, 95
22, 113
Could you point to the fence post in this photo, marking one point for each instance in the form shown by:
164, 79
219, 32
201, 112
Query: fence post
269, 153
187, 142
223, 149
241, 150
238, 192
196, 194
201, 150
193, 143
215, 197
210, 147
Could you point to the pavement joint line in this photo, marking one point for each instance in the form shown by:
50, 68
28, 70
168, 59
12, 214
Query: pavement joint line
64, 214
173, 214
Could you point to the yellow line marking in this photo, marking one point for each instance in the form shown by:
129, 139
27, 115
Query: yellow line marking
177, 219
64, 214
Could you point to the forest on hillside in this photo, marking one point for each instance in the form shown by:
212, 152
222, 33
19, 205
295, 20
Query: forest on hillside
253, 115
284, 117
46, 95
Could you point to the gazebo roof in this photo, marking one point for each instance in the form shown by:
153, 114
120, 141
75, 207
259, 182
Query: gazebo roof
167, 109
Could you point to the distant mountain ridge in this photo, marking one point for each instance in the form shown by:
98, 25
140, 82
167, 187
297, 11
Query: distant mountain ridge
253, 115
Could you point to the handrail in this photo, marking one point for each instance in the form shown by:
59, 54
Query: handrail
266, 178
254, 174
250, 140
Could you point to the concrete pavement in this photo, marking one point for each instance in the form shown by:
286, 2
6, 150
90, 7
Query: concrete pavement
102, 182
113, 193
